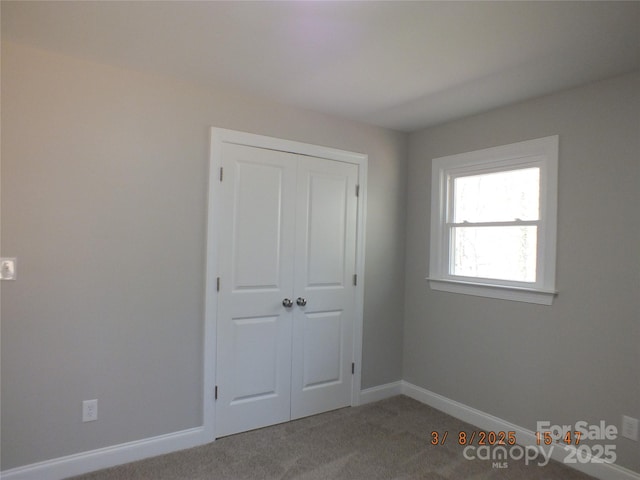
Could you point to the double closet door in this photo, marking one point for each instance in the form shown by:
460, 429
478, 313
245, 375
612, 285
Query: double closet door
286, 302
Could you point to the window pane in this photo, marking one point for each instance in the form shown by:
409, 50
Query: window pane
504, 253
497, 197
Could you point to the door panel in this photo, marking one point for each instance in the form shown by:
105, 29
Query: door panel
322, 349
324, 267
258, 210
288, 230
326, 229
255, 358
253, 367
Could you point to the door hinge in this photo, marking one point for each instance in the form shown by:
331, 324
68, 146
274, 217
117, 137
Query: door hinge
353, 368
215, 393
355, 279
218, 284
220, 173
357, 190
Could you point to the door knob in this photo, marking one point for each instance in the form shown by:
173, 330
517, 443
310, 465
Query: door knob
301, 301
287, 303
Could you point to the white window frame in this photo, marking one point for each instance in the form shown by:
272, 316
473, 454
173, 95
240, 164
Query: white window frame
541, 153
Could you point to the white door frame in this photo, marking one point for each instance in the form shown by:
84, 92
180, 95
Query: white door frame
218, 137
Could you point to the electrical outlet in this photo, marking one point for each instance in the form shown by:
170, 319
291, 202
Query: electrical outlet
630, 428
7, 268
89, 410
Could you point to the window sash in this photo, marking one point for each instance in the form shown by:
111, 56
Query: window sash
541, 153
495, 167
450, 252
513, 223
477, 171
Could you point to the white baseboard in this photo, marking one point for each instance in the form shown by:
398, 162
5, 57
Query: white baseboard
85, 462
380, 392
80, 463
525, 437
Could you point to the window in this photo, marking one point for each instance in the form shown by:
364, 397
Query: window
493, 222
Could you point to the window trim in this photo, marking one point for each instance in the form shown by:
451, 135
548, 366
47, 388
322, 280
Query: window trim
541, 153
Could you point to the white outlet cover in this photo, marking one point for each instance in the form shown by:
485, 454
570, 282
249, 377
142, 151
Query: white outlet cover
89, 410
630, 428
8, 268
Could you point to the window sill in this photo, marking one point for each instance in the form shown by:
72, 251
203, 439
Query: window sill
503, 292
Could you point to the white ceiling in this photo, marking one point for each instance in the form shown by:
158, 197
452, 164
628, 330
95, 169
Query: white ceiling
401, 65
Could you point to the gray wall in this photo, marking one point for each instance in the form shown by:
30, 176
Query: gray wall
575, 360
104, 180
104, 184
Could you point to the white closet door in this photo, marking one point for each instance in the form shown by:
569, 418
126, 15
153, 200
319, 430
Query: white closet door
287, 232
256, 270
325, 259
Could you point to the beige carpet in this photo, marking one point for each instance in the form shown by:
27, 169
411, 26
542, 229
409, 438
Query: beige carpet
390, 439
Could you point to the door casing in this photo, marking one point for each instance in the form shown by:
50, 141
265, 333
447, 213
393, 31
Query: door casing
220, 136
